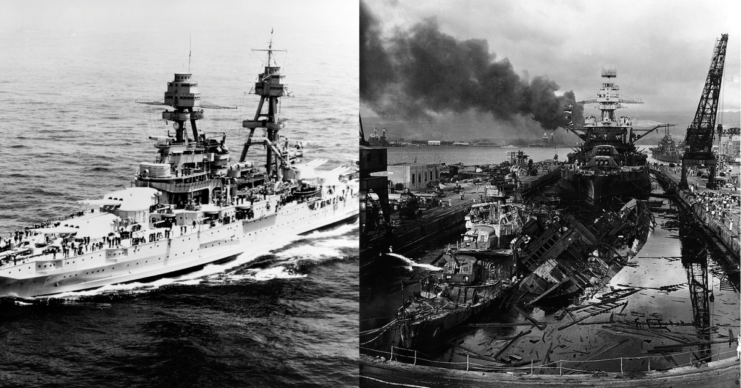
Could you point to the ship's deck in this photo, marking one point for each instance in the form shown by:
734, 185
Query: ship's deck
124, 243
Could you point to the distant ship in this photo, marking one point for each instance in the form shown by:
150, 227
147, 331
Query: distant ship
190, 207
546, 141
667, 150
607, 164
378, 141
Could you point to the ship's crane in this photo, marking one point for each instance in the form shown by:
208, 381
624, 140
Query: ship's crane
700, 134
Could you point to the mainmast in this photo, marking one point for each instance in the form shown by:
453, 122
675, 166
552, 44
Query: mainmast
270, 89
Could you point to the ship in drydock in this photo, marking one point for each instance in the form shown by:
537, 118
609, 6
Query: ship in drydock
475, 274
192, 206
607, 164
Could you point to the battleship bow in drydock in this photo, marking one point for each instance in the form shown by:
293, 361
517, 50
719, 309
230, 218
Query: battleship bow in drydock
607, 164
191, 207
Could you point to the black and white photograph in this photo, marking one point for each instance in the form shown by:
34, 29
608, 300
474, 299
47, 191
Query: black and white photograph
549, 193
373, 193
179, 194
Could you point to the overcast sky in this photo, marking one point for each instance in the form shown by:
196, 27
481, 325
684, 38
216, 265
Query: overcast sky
176, 16
662, 49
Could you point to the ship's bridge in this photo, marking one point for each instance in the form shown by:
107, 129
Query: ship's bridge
182, 93
462, 271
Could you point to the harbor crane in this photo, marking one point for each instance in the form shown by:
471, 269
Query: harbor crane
700, 134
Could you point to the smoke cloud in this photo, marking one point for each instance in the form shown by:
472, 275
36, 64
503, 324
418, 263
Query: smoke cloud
423, 73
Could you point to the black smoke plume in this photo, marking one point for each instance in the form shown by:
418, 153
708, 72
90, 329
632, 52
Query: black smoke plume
374, 61
422, 72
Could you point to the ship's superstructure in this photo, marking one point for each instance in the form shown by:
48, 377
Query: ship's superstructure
491, 225
189, 207
607, 163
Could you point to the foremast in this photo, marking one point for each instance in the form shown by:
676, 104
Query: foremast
188, 170
608, 129
183, 95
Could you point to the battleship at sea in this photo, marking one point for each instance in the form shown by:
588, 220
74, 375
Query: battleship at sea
190, 207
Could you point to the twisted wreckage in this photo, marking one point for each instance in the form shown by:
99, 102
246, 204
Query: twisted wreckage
551, 256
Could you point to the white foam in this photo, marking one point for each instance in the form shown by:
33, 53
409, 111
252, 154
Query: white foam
339, 243
279, 272
334, 232
309, 252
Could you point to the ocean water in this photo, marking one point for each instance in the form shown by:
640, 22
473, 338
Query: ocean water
72, 130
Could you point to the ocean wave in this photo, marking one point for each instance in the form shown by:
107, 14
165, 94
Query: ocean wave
279, 272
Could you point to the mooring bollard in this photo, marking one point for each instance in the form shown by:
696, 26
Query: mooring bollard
392, 353
466, 362
649, 364
531, 367
415, 357
560, 367
621, 365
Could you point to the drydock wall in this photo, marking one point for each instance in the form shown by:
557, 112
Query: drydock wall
727, 238
724, 373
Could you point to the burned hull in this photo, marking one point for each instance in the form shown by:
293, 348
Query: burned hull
467, 286
424, 328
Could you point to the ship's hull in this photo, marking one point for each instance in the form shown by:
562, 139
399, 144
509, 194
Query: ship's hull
159, 258
597, 188
671, 158
432, 328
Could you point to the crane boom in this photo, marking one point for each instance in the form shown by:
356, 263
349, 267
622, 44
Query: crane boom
700, 134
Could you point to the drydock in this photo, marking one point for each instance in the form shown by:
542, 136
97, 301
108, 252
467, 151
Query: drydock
646, 294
